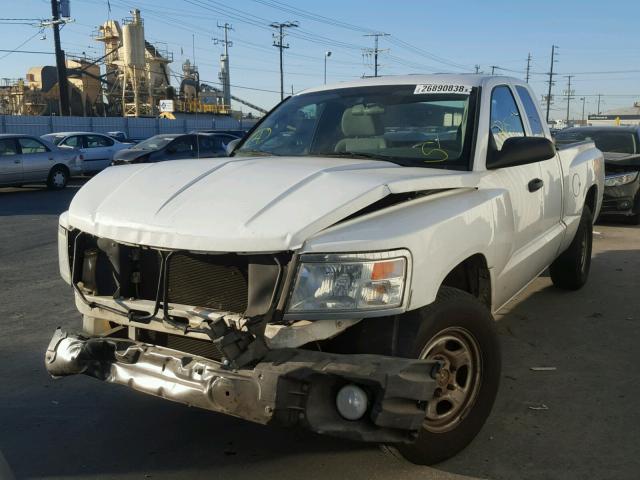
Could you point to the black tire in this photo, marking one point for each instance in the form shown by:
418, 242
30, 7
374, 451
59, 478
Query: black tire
571, 269
453, 313
58, 178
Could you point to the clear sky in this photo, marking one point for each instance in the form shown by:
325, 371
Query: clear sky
425, 36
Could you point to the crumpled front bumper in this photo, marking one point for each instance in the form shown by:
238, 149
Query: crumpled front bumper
288, 387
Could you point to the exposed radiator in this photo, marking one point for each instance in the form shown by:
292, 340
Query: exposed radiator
207, 281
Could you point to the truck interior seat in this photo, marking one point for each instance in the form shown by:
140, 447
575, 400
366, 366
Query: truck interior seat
359, 130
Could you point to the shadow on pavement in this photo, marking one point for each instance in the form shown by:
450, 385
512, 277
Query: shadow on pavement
36, 200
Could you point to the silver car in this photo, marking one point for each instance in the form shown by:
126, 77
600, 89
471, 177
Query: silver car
26, 159
95, 149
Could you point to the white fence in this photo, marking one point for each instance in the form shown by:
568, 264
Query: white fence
134, 127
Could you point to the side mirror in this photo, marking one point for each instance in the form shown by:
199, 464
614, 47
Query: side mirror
231, 146
521, 151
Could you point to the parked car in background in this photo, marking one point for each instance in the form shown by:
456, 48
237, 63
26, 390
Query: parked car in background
621, 147
26, 159
95, 149
160, 148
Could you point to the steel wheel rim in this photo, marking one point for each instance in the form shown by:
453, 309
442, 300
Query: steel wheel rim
59, 179
457, 382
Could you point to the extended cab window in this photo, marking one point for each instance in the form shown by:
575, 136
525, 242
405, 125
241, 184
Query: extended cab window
505, 117
30, 145
532, 113
411, 125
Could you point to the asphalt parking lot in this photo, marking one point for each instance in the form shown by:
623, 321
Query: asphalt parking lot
578, 421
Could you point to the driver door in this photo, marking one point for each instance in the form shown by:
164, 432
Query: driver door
525, 242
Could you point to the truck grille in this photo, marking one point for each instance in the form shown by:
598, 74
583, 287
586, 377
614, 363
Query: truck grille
210, 281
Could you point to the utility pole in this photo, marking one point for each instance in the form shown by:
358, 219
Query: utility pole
553, 53
583, 100
376, 51
61, 66
599, 96
569, 93
477, 67
528, 68
225, 74
278, 39
493, 69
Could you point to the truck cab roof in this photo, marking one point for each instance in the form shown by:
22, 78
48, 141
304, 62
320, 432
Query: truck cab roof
468, 79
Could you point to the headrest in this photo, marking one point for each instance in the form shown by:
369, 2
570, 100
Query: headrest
356, 122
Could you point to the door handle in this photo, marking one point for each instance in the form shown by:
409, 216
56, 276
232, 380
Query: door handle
535, 184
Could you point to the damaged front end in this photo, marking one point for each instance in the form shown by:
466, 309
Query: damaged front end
213, 331
287, 386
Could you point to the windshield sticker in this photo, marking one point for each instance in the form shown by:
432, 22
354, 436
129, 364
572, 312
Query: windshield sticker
442, 88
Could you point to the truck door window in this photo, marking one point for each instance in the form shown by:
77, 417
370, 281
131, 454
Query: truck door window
8, 147
30, 145
505, 117
532, 113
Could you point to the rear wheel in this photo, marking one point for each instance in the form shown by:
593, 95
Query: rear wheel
457, 330
571, 269
58, 178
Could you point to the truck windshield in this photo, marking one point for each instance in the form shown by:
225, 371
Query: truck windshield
396, 123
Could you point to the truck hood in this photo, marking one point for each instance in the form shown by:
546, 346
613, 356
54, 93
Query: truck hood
241, 204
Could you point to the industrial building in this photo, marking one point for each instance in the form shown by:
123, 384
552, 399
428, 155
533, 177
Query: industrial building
129, 80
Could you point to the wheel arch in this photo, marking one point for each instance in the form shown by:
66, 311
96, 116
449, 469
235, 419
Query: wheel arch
471, 275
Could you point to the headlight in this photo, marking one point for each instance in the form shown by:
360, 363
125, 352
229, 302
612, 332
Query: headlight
621, 179
348, 282
63, 254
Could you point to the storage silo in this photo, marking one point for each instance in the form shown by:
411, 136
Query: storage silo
133, 41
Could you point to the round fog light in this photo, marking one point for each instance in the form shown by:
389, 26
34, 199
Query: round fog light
352, 402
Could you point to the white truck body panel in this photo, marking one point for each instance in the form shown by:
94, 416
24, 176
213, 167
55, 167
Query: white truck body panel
270, 204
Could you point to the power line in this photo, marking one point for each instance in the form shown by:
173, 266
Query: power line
17, 49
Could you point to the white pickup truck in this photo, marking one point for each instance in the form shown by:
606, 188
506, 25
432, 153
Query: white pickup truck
340, 269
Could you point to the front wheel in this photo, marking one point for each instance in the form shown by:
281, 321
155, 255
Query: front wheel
459, 331
571, 269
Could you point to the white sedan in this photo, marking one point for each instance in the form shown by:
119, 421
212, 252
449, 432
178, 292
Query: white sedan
96, 150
